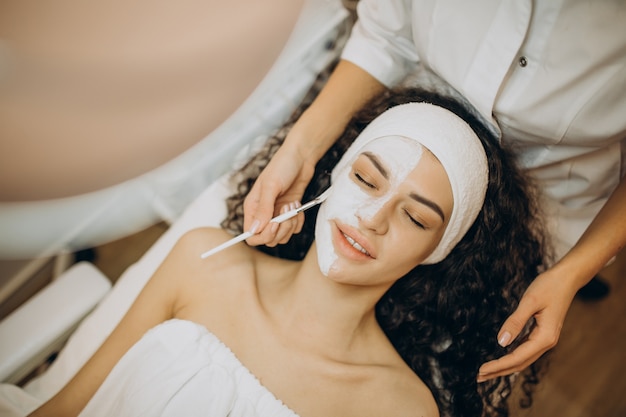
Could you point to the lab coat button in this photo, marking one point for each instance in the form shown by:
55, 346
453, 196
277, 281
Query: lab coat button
523, 61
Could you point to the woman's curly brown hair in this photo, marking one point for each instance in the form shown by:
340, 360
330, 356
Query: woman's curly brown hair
443, 318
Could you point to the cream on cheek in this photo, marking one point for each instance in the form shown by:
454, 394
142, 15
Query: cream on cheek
350, 201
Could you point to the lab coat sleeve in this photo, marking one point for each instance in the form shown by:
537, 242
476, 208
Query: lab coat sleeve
381, 42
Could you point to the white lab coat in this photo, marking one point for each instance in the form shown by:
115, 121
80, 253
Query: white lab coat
550, 75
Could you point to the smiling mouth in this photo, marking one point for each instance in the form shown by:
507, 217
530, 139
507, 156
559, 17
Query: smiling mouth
356, 245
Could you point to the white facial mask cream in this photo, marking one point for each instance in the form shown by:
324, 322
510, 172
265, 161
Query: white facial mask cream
455, 145
349, 202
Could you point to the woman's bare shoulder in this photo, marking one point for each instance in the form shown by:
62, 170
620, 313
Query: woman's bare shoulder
202, 236
185, 265
417, 399
406, 394
206, 285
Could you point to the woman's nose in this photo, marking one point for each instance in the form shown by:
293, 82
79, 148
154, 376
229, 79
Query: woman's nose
376, 217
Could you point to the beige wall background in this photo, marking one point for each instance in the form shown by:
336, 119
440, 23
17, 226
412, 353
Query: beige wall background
95, 93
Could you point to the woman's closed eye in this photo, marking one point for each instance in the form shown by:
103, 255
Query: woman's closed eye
368, 183
414, 220
368, 174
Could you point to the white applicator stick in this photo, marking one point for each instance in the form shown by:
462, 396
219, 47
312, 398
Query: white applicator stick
278, 219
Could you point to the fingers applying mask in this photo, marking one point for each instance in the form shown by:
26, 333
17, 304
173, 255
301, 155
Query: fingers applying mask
258, 210
284, 179
279, 233
284, 230
289, 227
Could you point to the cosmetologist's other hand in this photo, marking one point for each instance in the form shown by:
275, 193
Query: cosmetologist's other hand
547, 299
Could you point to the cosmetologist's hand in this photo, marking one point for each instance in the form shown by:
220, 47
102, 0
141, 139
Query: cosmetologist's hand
279, 187
547, 299
289, 172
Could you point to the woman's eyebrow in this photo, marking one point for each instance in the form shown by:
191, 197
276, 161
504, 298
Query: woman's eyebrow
429, 203
379, 165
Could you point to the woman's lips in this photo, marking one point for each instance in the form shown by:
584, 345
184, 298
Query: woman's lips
356, 245
352, 243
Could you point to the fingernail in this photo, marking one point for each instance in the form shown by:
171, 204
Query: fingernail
274, 227
504, 339
255, 226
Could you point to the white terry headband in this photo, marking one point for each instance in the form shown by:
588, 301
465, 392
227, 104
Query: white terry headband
455, 145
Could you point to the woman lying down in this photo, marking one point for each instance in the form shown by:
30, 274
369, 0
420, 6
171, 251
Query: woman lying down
424, 245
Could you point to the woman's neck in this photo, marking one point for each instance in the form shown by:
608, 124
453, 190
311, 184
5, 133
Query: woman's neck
318, 312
